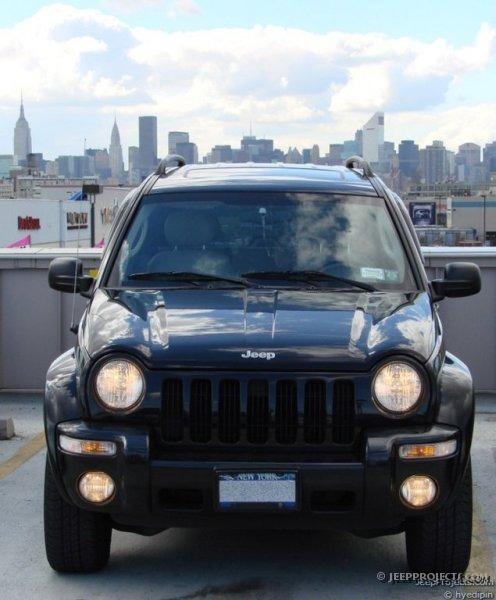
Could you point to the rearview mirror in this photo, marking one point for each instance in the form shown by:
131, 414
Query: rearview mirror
460, 279
66, 275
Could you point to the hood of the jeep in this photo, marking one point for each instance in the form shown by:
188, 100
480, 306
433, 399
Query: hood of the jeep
259, 329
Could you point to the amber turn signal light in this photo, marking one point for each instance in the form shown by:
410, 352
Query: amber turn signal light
88, 447
435, 450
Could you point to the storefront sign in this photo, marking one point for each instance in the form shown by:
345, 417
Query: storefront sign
27, 223
77, 220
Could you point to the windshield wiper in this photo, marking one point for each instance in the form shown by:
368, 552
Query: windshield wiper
189, 276
308, 276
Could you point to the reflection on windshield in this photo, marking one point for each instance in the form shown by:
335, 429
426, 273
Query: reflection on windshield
229, 233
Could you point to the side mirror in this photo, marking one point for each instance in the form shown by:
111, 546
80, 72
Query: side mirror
460, 279
66, 275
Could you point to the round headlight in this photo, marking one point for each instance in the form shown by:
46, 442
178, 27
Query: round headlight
96, 486
119, 385
418, 490
397, 387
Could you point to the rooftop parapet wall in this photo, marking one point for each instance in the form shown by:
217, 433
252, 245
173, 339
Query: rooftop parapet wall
34, 320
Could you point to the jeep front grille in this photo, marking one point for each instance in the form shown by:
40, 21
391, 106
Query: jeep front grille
229, 411
316, 411
172, 410
256, 411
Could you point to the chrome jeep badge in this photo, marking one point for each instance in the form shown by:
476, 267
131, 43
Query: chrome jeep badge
265, 355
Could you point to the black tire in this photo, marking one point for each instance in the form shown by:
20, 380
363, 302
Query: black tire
76, 540
441, 542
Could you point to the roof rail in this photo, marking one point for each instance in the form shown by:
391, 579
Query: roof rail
171, 161
357, 162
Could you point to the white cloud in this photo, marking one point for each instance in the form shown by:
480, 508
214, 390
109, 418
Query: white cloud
295, 85
131, 5
184, 7
474, 123
174, 8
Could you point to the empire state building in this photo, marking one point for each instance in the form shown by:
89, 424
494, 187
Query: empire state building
22, 138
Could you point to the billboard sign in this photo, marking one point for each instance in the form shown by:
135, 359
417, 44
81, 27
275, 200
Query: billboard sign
423, 214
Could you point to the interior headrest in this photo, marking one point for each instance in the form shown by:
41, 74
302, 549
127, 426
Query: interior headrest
190, 228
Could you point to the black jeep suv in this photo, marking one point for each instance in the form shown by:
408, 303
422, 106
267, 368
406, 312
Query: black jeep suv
260, 348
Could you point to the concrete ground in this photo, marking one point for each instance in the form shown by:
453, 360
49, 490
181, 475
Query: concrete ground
191, 564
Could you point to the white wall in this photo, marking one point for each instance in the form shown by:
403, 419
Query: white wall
52, 213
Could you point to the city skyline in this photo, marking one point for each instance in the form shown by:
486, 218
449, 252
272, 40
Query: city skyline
147, 126
299, 79
403, 166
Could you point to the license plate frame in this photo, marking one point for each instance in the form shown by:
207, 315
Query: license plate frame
254, 486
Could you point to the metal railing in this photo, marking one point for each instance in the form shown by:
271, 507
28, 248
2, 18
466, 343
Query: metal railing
34, 320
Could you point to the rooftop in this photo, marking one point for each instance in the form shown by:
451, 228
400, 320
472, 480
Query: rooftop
215, 564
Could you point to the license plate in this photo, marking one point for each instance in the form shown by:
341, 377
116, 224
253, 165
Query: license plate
257, 490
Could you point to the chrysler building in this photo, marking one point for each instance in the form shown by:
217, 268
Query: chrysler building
115, 153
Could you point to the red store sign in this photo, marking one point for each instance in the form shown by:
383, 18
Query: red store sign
27, 223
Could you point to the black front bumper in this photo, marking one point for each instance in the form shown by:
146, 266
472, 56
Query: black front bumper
155, 493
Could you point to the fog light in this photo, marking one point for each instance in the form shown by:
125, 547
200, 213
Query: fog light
77, 446
418, 490
435, 450
96, 487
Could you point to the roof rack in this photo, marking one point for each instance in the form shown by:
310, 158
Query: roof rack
357, 162
171, 161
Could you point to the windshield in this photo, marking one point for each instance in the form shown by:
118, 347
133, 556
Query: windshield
262, 237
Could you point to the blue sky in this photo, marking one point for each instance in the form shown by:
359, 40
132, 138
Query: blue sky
426, 19
303, 71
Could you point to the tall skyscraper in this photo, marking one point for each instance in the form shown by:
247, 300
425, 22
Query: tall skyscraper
489, 154
148, 144
115, 153
386, 155
6, 164
99, 162
373, 137
335, 156
469, 154
435, 162
73, 166
175, 138
22, 138
257, 150
351, 148
315, 154
134, 175
468, 162
221, 153
408, 157
188, 151
359, 142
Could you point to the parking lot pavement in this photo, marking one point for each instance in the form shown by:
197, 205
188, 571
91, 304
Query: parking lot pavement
191, 564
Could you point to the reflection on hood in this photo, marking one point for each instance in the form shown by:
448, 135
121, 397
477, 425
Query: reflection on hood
312, 330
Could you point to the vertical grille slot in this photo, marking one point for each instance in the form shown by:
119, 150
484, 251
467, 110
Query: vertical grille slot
315, 420
258, 411
172, 410
200, 410
343, 412
286, 420
229, 411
